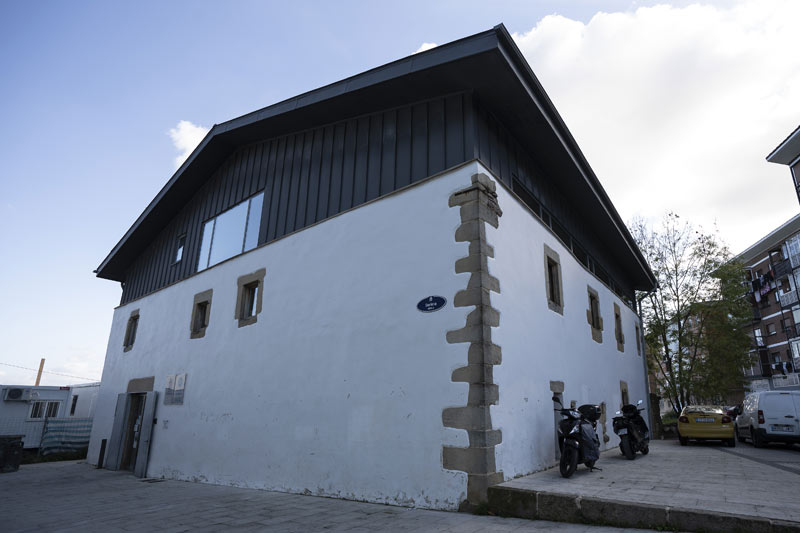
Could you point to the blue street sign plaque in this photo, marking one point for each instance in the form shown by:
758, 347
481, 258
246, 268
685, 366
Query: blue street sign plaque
430, 304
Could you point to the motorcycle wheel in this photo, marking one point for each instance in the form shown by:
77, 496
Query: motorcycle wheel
645, 449
627, 450
569, 461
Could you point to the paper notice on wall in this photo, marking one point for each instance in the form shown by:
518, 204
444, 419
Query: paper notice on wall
169, 390
180, 385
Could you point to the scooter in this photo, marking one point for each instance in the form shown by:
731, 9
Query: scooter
634, 436
577, 439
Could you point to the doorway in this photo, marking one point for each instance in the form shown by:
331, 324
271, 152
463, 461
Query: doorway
129, 446
133, 431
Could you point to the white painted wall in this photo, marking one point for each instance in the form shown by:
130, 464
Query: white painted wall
540, 345
87, 400
339, 387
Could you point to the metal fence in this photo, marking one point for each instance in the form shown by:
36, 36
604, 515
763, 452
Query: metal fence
51, 435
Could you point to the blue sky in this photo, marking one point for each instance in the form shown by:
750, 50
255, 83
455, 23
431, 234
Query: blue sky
90, 91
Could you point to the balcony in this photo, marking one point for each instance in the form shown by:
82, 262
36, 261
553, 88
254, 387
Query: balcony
792, 331
782, 269
788, 299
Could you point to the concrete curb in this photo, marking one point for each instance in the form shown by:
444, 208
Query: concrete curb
541, 505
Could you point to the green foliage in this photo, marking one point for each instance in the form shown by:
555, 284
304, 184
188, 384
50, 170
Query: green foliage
694, 320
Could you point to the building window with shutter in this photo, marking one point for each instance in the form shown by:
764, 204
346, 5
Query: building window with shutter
593, 315
130, 331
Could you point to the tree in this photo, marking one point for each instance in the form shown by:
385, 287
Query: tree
693, 320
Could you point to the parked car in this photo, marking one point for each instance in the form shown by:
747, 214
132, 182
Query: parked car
770, 416
705, 422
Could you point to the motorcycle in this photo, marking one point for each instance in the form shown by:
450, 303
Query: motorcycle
577, 439
634, 436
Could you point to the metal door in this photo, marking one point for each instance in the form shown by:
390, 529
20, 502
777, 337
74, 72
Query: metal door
145, 434
117, 432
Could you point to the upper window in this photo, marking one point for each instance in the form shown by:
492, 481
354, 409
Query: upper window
74, 405
618, 335
179, 249
233, 232
593, 315
130, 331
638, 341
552, 273
201, 313
249, 297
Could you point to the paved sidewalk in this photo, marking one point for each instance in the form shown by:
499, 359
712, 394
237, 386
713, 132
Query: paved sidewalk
73, 496
697, 487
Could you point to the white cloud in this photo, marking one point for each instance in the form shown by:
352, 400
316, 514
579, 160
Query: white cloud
425, 46
186, 136
676, 108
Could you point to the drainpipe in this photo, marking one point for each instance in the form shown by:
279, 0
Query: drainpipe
644, 357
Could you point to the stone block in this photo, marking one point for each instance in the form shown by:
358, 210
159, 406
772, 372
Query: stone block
483, 394
467, 417
623, 514
505, 501
470, 460
713, 522
558, 507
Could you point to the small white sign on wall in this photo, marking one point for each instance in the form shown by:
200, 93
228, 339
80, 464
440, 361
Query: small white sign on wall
180, 385
173, 390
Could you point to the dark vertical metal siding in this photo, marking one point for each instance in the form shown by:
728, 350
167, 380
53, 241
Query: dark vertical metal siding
498, 149
312, 175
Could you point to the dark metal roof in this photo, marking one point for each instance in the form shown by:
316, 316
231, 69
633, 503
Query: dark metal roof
788, 150
489, 64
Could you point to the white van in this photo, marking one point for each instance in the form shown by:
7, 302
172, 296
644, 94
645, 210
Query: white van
769, 416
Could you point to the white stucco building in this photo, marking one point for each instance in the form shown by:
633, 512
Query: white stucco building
371, 291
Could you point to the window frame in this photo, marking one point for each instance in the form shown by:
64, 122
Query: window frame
619, 336
199, 266
593, 315
180, 248
46, 408
130, 331
553, 287
248, 308
202, 301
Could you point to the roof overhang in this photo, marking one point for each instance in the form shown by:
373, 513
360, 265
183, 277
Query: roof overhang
770, 242
788, 151
488, 64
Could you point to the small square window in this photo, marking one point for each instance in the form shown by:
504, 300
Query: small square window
201, 314
593, 315
180, 247
552, 279
771, 329
250, 294
130, 331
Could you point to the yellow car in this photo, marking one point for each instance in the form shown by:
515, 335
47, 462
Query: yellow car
705, 422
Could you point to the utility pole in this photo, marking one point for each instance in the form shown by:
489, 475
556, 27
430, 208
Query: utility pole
39, 375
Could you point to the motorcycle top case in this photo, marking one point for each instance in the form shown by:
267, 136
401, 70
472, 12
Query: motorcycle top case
590, 412
630, 410
591, 444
